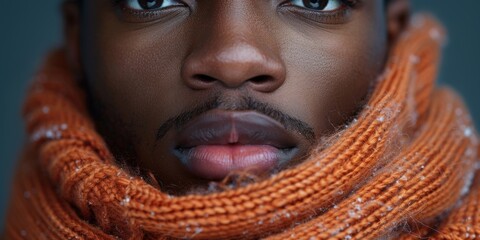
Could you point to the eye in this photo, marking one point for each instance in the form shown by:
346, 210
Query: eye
142, 5
319, 5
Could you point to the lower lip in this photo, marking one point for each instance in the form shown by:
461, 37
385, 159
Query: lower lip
215, 162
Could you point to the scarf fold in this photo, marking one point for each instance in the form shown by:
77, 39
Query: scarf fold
405, 168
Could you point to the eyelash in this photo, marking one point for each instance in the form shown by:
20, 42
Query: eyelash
143, 16
350, 3
324, 17
328, 17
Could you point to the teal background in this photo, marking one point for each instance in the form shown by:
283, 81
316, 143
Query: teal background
29, 28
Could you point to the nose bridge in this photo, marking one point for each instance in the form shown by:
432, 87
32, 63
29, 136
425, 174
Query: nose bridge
232, 49
231, 23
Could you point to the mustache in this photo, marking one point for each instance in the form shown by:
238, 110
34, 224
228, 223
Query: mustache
245, 103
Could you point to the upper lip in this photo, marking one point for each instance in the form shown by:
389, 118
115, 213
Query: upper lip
221, 127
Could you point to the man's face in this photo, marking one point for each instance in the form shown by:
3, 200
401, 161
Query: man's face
194, 90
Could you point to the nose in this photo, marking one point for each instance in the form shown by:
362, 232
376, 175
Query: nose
232, 54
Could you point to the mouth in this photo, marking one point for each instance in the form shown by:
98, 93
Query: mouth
219, 142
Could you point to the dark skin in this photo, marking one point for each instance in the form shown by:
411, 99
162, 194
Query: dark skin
144, 68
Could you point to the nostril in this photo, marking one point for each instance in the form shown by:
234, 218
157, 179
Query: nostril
204, 78
262, 79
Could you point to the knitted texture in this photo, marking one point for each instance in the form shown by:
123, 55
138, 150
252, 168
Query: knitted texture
403, 169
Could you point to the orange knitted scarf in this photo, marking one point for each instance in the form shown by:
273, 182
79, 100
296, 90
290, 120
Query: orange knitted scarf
405, 168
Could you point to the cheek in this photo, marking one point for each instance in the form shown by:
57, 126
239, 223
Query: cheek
330, 76
138, 76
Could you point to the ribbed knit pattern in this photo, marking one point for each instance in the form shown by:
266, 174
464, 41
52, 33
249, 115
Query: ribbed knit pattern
403, 169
